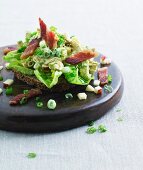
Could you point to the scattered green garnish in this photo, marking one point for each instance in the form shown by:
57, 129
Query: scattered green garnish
51, 104
61, 40
31, 155
91, 130
68, 96
108, 88
25, 91
1, 78
109, 78
21, 49
39, 104
53, 28
23, 100
9, 91
102, 129
118, 110
120, 119
91, 123
38, 99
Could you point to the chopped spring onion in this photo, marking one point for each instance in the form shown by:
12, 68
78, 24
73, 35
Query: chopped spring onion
68, 96
38, 99
51, 104
102, 129
91, 123
91, 130
1, 78
31, 155
53, 28
39, 104
25, 91
109, 78
23, 100
9, 91
108, 88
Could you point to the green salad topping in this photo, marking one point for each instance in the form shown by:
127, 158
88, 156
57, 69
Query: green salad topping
49, 64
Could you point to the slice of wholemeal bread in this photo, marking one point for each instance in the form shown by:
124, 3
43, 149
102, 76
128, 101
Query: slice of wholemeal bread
62, 85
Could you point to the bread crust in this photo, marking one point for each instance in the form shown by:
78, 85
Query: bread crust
62, 85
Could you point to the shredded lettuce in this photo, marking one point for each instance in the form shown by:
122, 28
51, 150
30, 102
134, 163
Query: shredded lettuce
84, 70
73, 76
49, 79
12, 56
21, 69
52, 60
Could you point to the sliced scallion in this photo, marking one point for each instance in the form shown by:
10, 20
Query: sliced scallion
68, 96
91, 130
25, 91
108, 88
39, 104
9, 91
51, 104
1, 78
23, 100
102, 129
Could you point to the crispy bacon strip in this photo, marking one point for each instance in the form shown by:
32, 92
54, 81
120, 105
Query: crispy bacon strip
52, 40
103, 75
43, 29
30, 94
49, 36
9, 49
31, 48
81, 56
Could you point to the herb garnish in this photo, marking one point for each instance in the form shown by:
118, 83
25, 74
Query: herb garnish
25, 91
61, 40
108, 88
39, 104
31, 155
37, 99
102, 129
9, 91
109, 78
91, 123
1, 78
68, 96
23, 100
53, 28
91, 130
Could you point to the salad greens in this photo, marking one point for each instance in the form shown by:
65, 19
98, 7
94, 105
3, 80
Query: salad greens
47, 64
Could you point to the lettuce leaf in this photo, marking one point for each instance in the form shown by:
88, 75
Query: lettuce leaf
73, 76
21, 69
12, 56
49, 79
84, 70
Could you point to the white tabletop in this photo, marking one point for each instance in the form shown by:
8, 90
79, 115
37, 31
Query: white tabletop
116, 29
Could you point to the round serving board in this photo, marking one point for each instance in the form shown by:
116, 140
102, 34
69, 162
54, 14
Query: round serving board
69, 113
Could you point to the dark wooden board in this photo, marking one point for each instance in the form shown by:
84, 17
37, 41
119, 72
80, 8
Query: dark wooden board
68, 114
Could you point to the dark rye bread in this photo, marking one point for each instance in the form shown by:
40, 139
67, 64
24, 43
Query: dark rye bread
62, 85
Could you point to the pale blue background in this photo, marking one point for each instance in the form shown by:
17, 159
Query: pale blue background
115, 28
